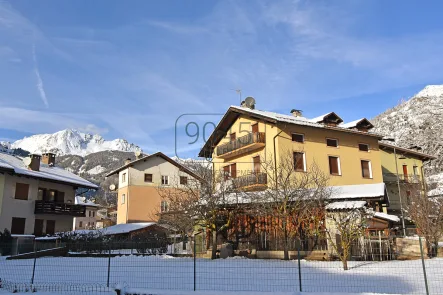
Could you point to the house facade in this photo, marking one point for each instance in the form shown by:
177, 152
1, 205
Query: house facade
90, 220
348, 153
36, 197
139, 180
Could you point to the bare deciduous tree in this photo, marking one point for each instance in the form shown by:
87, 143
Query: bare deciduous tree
207, 203
427, 214
294, 193
344, 228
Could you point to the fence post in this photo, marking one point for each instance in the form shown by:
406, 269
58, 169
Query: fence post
33, 268
109, 264
423, 265
195, 260
299, 265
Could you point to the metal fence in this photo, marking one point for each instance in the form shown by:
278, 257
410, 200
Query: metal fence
91, 267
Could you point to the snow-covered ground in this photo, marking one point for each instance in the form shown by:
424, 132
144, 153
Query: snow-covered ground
167, 273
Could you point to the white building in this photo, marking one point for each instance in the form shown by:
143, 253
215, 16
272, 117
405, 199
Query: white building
89, 221
36, 197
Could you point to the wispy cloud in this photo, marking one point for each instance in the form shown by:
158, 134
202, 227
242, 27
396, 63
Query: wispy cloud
40, 87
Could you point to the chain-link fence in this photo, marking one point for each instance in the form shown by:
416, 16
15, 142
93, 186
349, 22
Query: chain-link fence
102, 267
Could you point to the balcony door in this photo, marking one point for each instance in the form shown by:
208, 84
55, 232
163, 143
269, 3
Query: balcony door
255, 128
257, 164
232, 136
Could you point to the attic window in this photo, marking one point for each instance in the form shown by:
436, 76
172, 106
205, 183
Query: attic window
363, 147
332, 142
331, 119
296, 137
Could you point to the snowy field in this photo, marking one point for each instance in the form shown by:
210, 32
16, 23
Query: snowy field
176, 275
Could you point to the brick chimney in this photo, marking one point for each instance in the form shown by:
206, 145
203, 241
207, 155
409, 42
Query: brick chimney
296, 113
49, 159
35, 162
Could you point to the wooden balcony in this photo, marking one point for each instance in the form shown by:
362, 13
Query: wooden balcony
49, 207
241, 145
251, 182
404, 178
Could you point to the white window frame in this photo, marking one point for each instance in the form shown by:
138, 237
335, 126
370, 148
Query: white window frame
123, 177
369, 166
123, 200
165, 177
298, 134
164, 206
415, 170
304, 162
330, 138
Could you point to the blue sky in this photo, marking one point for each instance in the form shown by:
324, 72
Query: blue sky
129, 69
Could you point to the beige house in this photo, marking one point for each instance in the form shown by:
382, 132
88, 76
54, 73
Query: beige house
138, 197
89, 221
36, 197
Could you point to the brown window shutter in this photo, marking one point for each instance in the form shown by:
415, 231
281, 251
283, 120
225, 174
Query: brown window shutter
232, 136
365, 169
21, 191
50, 227
38, 227
333, 165
256, 161
234, 170
255, 128
18, 226
226, 172
299, 164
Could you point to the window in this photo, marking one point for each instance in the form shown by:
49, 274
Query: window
165, 180
183, 180
363, 147
334, 165
415, 169
256, 164
38, 227
148, 177
124, 177
51, 195
80, 224
21, 191
93, 213
298, 137
18, 226
90, 213
164, 206
408, 197
232, 136
332, 142
123, 198
299, 161
366, 169
230, 171
41, 194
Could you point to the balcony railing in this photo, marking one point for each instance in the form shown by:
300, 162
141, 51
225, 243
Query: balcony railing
242, 142
408, 178
253, 180
49, 207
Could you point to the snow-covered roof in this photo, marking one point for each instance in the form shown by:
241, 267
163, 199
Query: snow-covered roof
126, 228
385, 216
79, 200
356, 191
46, 172
351, 124
274, 117
346, 205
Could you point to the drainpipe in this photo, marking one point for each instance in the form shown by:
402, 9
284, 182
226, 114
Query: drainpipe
275, 157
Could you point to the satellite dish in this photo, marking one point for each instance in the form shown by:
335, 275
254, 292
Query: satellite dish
112, 187
250, 102
137, 153
27, 161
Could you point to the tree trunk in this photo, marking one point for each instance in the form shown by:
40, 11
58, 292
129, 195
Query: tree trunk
344, 258
285, 245
214, 244
345, 263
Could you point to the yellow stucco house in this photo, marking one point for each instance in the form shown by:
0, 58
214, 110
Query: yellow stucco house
349, 153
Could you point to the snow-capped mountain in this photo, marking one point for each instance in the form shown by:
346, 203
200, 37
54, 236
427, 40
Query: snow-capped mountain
417, 122
71, 142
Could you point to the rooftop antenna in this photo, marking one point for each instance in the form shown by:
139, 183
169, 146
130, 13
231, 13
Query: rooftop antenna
239, 93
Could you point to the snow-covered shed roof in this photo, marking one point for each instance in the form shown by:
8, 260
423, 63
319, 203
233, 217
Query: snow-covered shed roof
125, 228
53, 174
405, 151
79, 200
235, 111
373, 190
345, 205
388, 217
